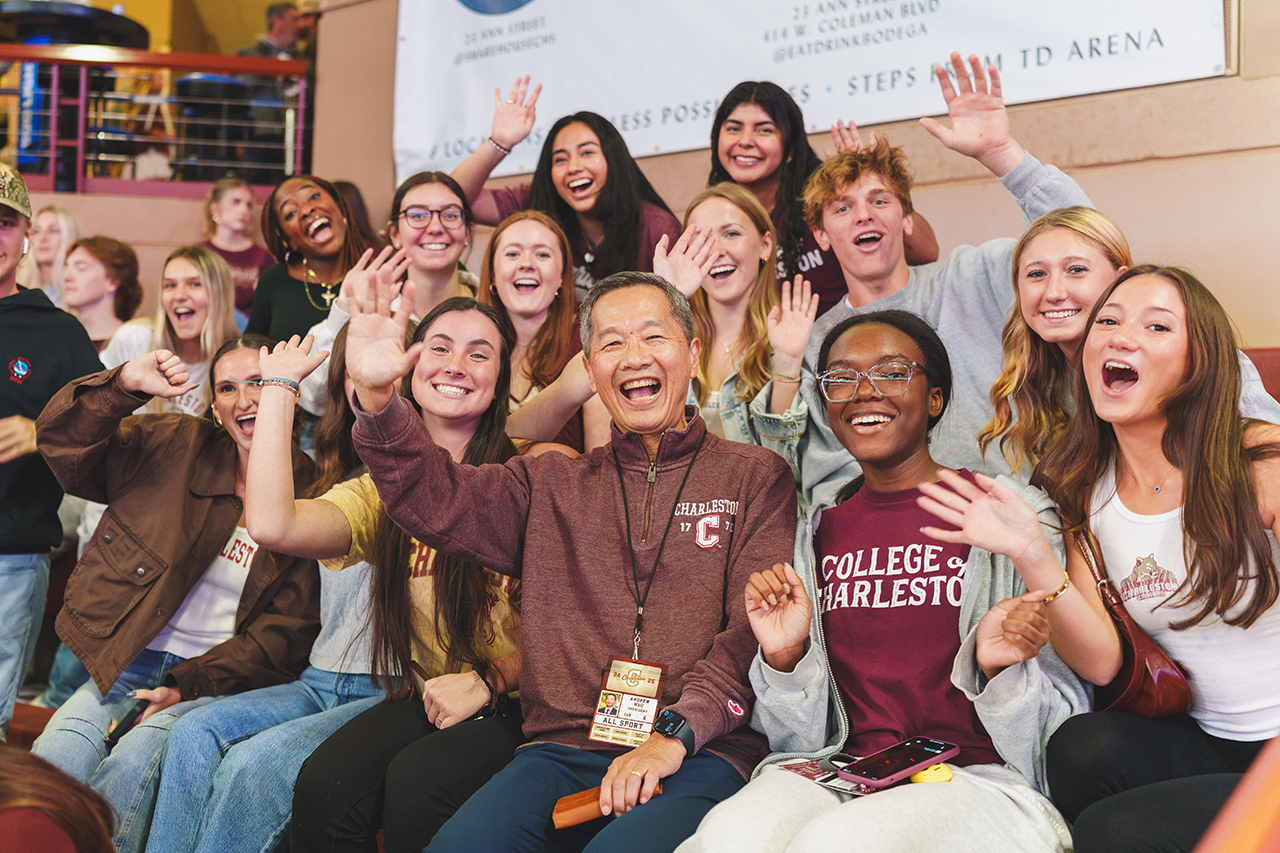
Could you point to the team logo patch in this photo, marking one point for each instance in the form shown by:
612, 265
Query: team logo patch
19, 369
705, 531
734, 707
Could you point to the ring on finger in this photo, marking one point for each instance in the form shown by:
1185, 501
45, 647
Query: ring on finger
637, 773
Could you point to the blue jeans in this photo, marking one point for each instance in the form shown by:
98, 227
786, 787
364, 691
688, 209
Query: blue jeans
227, 782
65, 677
24, 580
513, 811
128, 775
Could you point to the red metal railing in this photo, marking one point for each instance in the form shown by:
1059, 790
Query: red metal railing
84, 118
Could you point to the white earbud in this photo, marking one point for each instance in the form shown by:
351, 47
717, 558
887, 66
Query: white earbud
26, 245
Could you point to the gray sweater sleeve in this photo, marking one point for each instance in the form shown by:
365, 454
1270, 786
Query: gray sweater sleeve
791, 707
1255, 402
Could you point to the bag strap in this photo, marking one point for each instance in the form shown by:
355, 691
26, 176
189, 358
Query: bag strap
1106, 589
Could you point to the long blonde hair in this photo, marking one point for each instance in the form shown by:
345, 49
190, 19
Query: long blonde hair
219, 325
28, 270
1034, 376
757, 358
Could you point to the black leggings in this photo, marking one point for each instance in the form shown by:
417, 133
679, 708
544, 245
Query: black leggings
1133, 784
389, 768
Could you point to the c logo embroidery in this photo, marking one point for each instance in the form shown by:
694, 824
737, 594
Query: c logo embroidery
737, 709
703, 534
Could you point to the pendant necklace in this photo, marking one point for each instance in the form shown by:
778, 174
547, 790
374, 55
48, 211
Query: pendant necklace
1156, 487
326, 288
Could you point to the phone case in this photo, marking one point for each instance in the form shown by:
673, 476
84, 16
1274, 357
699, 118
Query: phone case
581, 807
850, 771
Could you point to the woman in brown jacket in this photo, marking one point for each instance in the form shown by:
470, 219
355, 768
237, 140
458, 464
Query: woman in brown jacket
172, 604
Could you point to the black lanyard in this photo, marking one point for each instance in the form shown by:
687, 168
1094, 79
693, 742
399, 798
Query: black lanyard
635, 573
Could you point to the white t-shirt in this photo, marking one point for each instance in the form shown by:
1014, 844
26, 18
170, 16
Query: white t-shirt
1234, 672
207, 616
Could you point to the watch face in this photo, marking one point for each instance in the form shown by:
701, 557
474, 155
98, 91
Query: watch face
668, 723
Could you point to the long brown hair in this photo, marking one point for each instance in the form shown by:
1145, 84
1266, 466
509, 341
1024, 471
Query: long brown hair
28, 781
334, 451
1224, 540
1035, 373
757, 358
461, 588
278, 244
553, 345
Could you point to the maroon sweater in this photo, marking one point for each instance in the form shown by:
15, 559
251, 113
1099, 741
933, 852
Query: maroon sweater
558, 524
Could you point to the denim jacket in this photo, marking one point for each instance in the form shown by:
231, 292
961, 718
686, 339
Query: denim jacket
751, 423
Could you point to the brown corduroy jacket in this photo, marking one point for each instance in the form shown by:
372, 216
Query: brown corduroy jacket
169, 485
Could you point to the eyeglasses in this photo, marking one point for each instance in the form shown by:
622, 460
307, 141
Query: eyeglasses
226, 388
887, 380
451, 217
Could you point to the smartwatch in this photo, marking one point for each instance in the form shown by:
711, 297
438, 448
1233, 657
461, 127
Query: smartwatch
672, 725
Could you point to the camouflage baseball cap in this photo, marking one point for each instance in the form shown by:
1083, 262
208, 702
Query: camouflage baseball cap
13, 191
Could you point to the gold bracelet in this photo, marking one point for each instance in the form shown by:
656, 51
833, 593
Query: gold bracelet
1066, 583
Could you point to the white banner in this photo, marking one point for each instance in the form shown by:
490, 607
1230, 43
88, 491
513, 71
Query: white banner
658, 68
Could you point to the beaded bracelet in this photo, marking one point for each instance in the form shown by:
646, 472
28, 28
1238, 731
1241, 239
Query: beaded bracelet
784, 377
1066, 583
282, 382
504, 149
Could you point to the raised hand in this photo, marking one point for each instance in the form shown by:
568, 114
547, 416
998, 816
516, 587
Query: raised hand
779, 610
376, 357
997, 519
979, 120
790, 323
1014, 630
159, 373
689, 260
513, 118
846, 138
387, 268
291, 359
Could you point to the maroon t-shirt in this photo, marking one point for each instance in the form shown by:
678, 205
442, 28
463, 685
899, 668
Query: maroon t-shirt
819, 266
246, 267
890, 611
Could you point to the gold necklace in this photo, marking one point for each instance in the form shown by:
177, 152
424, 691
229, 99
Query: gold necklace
326, 292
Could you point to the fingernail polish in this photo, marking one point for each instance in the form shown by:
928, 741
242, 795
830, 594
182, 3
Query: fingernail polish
132, 694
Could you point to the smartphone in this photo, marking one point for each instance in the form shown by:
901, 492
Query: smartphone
121, 728
884, 768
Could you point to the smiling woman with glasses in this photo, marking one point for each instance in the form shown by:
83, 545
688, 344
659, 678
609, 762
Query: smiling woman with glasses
431, 223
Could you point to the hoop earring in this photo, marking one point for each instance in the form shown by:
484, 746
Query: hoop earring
217, 420
493, 288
